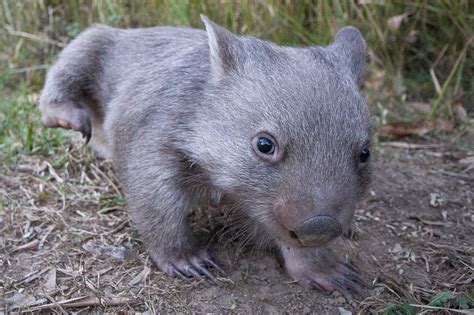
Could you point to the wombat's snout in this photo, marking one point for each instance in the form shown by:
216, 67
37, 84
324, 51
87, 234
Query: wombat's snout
317, 230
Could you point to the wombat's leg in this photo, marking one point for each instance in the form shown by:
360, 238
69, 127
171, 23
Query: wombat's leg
73, 84
159, 202
67, 115
320, 268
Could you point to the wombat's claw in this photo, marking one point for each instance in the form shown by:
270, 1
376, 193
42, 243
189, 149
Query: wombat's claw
176, 273
212, 264
86, 131
206, 272
86, 135
196, 267
351, 267
314, 285
193, 273
69, 117
354, 277
352, 273
202, 275
320, 269
344, 286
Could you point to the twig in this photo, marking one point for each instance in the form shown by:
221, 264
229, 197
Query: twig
120, 226
466, 177
29, 245
28, 69
444, 308
84, 301
48, 231
406, 145
38, 38
31, 276
107, 178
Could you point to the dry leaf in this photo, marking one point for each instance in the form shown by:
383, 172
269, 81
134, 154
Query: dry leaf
444, 214
343, 311
33, 98
460, 112
436, 200
394, 22
467, 160
421, 107
50, 278
396, 249
141, 277
444, 124
394, 282
412, 37
375, 79
20, 299
45, 165
97, 247
419, 128
402, 129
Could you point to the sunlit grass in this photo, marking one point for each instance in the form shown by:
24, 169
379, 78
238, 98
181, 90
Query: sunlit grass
426, 57
20, 127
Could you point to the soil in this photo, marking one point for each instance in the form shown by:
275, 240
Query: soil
66, 243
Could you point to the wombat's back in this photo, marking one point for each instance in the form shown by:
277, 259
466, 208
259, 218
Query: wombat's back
156, 79
106, 74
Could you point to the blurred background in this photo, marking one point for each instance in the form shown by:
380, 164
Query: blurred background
420, 52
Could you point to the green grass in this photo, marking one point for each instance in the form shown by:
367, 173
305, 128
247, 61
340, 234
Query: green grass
445, 302
20, 127
427, 58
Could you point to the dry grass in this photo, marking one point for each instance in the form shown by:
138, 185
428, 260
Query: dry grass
66, 243
64, 230
419, 50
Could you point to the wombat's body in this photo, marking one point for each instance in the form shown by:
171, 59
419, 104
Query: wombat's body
280, 131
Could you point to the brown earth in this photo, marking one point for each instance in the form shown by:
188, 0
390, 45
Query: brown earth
66, 244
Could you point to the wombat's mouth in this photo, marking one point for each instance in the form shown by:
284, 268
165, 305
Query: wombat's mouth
317, 230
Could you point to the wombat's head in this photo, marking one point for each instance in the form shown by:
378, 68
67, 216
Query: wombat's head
285, 131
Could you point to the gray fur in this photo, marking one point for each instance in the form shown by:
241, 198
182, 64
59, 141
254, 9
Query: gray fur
176, 109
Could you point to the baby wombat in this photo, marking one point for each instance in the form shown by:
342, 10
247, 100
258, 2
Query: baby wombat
187, 114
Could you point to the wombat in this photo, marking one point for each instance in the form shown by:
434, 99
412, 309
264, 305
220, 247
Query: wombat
187, 114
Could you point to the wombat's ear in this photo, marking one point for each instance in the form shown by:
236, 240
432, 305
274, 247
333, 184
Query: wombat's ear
223, 46
350, 46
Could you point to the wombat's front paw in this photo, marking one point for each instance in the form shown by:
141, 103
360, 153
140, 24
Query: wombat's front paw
67, 115
319, 268
195, 264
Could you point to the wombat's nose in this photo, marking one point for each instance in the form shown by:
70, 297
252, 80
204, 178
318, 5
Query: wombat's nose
317, 230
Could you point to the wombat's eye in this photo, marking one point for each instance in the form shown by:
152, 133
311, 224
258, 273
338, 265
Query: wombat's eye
364, 155
265, 145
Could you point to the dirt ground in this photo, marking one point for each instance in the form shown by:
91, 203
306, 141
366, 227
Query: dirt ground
66, 244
